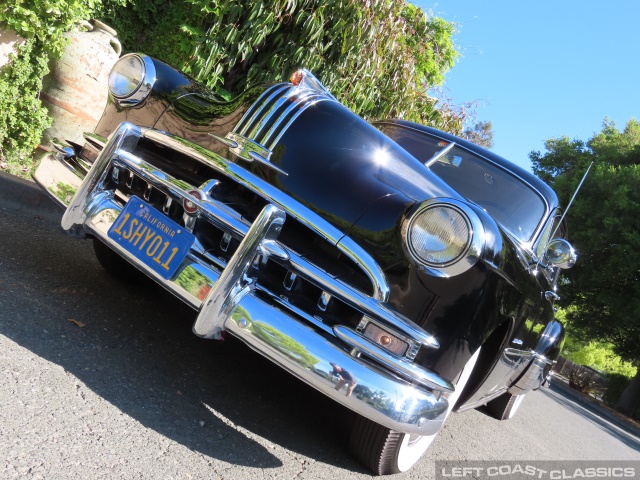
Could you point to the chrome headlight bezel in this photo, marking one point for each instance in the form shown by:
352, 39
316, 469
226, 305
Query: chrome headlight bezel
130, 91
466, 258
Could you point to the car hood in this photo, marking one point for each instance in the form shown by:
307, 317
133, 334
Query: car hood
338, 165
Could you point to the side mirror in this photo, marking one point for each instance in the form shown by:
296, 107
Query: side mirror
560, 253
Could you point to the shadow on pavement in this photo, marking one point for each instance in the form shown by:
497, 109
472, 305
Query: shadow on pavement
138, 353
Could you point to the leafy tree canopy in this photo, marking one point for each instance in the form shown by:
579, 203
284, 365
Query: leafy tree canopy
377, 56
481, 134
603, 288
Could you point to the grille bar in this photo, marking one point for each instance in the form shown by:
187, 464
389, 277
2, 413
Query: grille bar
291, 206
276, 109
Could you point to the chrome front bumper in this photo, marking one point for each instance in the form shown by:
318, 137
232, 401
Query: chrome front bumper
390, 391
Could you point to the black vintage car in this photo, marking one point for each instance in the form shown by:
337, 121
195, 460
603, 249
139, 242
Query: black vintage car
397, 269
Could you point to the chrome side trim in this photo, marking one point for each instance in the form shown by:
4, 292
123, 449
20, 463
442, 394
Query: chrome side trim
527, 354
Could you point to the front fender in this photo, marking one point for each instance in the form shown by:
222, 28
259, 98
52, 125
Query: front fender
542, 359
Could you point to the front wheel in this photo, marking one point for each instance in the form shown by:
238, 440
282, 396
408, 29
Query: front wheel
115, 265
505, 406
385, 451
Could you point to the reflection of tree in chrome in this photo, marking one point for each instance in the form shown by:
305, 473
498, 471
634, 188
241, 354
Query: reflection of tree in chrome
284, 344
64, 192
194, 282
377, 399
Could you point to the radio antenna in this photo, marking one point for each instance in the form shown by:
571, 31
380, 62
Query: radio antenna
584, 177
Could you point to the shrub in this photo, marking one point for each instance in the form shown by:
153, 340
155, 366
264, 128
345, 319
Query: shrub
586, 380
615, 386
23, 119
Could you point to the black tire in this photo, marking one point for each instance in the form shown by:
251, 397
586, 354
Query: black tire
115, 265
505, 406
375, 446
385, 451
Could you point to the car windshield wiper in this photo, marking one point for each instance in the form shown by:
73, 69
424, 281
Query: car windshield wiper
438, 155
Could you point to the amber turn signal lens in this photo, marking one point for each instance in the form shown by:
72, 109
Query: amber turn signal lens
385, 339
297, 77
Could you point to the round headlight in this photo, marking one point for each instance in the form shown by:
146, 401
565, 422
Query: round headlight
445, 236
126, 76
439, 235
132, 78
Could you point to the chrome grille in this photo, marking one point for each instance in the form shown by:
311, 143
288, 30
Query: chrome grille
276, 109
308, 290
217, 246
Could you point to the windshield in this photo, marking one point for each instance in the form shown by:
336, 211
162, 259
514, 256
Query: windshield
511, 202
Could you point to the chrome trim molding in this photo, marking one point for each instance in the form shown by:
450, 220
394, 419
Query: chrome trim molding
277, 108
261, 127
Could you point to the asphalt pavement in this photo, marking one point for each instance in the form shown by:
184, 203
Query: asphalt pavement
101, 380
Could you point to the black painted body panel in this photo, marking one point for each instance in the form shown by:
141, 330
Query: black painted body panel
365, 184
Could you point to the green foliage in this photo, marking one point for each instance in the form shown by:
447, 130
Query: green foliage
46, 20
586, 381
22, 116
603, 288
598, 355
23, 119
379, 56
615, 386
